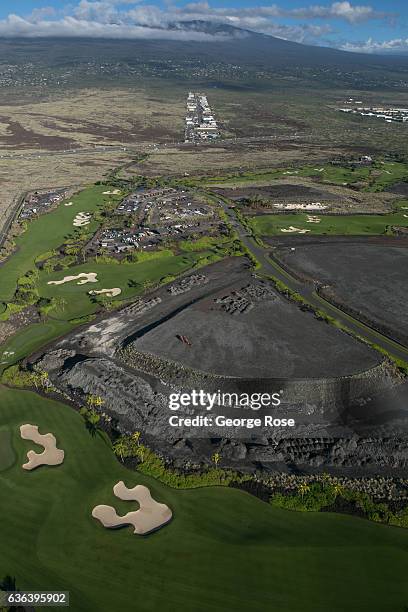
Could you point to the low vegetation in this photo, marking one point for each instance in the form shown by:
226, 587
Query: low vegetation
319, 497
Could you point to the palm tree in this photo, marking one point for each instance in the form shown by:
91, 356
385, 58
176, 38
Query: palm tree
92, 400
98, 401
136, 437
44, 380
303, 489
61, 303
147, 284
120, 448
337, 490
92, 419
216, 458
140, 452
8, 583
48, 266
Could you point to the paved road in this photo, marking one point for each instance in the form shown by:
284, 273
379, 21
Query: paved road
307, 291
11, 213
43, 153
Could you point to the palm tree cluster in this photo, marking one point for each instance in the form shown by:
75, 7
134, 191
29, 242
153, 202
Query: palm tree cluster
129, 446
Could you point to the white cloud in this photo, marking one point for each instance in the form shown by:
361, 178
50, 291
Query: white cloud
74, 27
39, 13
396, 45
339, 10
134, 19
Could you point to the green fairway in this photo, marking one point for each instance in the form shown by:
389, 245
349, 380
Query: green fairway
375, 178
357, 225
129, 278
224, 550
48, 232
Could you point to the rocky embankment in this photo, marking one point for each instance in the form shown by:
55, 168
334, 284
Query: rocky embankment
348, 426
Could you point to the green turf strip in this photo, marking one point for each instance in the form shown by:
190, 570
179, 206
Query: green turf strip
7, 455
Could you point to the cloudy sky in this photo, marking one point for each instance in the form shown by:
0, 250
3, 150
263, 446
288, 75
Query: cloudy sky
379, 26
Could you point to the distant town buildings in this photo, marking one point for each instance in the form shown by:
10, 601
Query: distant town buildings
390, 115
200, 121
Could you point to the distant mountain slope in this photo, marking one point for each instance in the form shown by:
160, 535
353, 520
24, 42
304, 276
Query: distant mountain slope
233, 45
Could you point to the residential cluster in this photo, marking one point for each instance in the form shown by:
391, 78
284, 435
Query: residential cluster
38, 203
153, 217
390, 115
200, 121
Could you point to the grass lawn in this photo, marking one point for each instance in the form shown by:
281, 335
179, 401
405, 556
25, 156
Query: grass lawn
224, 551
47, 233
357, 225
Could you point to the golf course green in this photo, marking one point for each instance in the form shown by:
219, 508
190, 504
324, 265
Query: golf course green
223, 551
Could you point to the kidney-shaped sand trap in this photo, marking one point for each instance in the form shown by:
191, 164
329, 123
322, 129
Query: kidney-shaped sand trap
87, 277
51, 454
295, 230
150, 516
108, 292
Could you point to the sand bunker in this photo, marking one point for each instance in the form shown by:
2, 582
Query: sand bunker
108, 292
313, 219
51, 454
150, 516
87, 277
68, 203
295, 230
314, 206
114, 192
82, 219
